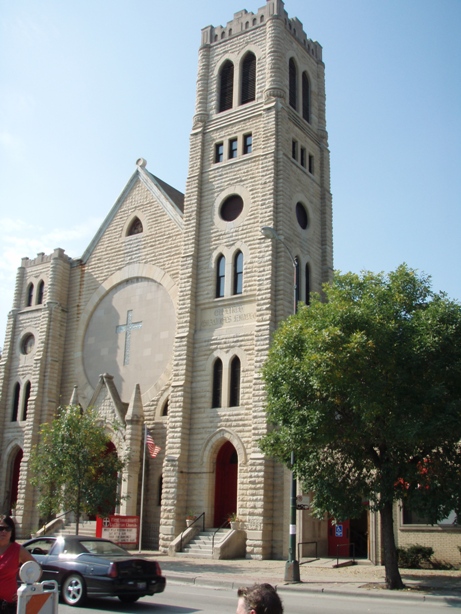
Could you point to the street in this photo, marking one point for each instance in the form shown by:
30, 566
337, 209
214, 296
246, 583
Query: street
187, 599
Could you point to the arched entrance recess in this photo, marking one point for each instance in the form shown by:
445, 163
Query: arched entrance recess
14, 481
226, 479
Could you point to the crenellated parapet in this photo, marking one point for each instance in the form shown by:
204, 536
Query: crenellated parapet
244, 21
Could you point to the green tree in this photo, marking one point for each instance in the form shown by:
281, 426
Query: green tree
365, 387
74, 467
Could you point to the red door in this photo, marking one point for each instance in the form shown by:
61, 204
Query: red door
338, 537
225, 501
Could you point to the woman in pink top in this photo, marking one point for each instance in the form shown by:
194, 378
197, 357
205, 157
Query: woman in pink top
12, 556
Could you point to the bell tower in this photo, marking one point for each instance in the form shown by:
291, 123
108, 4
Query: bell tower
258, 158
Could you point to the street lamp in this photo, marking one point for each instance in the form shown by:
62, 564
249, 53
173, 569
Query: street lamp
292, 565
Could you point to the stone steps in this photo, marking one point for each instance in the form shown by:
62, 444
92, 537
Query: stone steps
201, 545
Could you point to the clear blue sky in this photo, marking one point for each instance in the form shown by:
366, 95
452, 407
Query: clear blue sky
88, 87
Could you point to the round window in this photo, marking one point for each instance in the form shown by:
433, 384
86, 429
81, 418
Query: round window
27, 344
231, 208
301, 216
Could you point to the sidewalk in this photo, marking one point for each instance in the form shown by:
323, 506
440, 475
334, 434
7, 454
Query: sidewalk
316, 576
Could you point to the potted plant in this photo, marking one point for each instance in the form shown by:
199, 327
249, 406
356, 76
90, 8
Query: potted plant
190, 517
234, 521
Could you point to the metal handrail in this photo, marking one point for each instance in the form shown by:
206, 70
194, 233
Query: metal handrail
338, 546
226, 522
202, 515
305, 544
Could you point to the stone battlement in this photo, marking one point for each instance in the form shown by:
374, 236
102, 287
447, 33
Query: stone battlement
244, 20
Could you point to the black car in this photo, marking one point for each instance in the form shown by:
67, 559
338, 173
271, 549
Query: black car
93, 567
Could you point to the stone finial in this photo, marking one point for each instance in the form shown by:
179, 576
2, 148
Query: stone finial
74, 397
141, 162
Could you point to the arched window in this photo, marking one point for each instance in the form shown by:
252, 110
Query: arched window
16, 393
165, 408
25, 401
30, 295
220, 276
135, 227
308, 284
226, 86
248, 78
40, 292
234, 392
297, 280
160, 490
217, 383
238, 273
306, 97
293, 84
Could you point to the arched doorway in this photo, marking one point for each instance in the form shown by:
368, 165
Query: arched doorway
14, 481
225, 500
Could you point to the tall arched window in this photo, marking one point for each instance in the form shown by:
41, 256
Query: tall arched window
226, 86
25, 401
30, 295
293, 84
308, 284
297, 280
306, 97
165, 408
248, 91
40, 292
220, 276
16, 393
234, 392
160, 490
217, 383
238, 273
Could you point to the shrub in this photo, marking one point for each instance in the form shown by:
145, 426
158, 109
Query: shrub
414, 557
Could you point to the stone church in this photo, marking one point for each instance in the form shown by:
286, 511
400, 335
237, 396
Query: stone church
167, 317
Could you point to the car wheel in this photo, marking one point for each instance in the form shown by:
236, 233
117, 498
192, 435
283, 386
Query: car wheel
128, 598
73, 590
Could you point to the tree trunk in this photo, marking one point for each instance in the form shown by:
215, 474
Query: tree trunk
393, 578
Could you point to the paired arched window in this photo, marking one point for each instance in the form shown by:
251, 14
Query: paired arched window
16, 393
220, 276
238, 273
226, 86
292, 84
25, 401
297, 281
30, 295
216, 400
306, 95
248, 91
40, 292
234, 389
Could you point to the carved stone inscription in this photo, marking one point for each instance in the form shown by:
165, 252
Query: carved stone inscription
227, 316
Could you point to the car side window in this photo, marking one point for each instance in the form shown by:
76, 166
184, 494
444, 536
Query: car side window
40, 546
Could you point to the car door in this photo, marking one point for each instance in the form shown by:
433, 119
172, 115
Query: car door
40, 549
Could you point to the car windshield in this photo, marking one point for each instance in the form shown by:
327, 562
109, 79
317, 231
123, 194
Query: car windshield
103, 548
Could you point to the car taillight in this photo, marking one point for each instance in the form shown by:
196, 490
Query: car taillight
113, 572
157, 568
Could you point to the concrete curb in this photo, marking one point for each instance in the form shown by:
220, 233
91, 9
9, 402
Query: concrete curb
420, 597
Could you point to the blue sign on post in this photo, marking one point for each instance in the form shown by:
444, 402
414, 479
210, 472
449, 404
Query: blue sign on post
338, 530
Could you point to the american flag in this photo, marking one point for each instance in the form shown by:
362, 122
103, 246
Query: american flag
150, 443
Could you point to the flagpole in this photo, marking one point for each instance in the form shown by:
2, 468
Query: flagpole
142, 486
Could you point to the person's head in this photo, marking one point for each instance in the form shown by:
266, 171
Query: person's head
7, 528
259, 599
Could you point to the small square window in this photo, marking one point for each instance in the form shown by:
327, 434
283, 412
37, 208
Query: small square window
247, 143
219, 152
303, 157
232, 148
294, 149
311, 164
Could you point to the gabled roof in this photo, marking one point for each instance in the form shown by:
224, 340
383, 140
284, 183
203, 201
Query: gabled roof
169, 198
